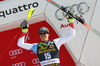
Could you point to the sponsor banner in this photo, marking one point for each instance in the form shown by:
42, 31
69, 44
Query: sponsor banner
14, 55
35, 61
19, 64
19, 56
52, 61
16, 8
15, 52
10, 53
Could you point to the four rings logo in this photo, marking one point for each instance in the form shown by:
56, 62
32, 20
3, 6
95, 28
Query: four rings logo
76, 9
19, 64
15, 52
35, 61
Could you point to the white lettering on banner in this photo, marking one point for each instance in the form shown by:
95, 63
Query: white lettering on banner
19, 64
15, 52
32, 52
64, 25
51, 61
13, 57
35, 61
27, 37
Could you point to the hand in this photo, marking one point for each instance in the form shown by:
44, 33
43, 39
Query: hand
24, 26
70, 19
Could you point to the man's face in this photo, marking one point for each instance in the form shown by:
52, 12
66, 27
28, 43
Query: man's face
44, 36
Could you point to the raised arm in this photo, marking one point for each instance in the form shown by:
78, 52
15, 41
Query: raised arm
67, 37
21, 42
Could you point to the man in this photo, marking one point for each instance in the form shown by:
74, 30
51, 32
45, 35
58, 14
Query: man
47, 51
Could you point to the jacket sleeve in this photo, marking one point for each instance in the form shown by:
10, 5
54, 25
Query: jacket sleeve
66, 38
22, 44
